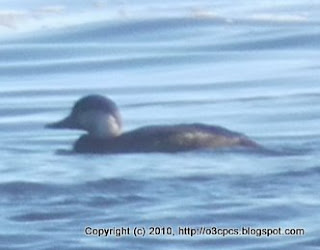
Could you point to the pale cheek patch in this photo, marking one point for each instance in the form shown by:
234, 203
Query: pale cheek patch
99, 124
111, 123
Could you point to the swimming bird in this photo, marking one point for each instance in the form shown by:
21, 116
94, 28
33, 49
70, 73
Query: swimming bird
100, 117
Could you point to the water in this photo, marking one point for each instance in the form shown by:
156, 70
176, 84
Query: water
250, 67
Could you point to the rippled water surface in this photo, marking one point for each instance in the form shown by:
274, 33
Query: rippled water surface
252, 67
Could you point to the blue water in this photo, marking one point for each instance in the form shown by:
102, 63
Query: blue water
250, 67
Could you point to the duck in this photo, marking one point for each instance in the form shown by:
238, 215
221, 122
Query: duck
99, 116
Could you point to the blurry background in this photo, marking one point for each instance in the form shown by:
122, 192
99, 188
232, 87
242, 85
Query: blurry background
252, 67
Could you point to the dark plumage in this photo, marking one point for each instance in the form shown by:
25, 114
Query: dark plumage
106, 137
